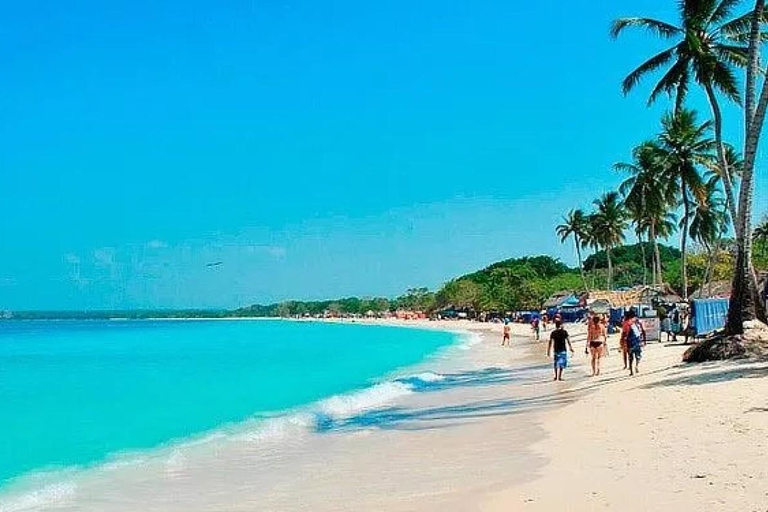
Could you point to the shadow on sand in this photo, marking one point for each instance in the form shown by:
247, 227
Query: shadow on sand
427, 418
698, 379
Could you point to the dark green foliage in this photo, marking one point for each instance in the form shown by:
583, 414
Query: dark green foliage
631, 256
513, 284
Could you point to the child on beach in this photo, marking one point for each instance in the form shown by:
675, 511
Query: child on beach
633, 339
535, 328
559, 339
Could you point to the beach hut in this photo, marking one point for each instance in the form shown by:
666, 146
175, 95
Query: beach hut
567, 304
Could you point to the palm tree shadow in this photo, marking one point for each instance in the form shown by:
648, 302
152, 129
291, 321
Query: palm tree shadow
698, 379
484, 377
445, 416
430, 418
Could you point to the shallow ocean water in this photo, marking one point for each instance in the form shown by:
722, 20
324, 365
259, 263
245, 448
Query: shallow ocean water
79, 394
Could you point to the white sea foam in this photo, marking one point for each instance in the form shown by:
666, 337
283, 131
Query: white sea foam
429, 377
344, 406
47, 498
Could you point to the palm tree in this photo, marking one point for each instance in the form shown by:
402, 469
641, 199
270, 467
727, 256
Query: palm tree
685, 147
608, 224
648, 196
707, 46
735, 167
709, 222
575, 225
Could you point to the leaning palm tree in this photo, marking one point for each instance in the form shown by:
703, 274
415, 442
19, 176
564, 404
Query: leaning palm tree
575, 225
686, 147
708, 43
648, 196
609, 223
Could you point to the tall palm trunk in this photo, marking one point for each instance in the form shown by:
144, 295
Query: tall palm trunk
684, 240
645, 261
576, 242
726, 172
746, 303
656, 257
610, 267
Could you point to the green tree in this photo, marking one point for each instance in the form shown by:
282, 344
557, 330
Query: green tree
575, 225
709, 223
607, 225
686, 147
648, 198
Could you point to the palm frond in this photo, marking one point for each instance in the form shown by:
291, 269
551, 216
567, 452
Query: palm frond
722, 11
659, 28
732, 54
744, 37
741, 24
646, 67
723, 79
671, 80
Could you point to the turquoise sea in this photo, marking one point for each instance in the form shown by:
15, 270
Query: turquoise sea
75, 394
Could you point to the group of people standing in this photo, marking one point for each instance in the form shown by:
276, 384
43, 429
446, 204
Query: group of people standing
632, 341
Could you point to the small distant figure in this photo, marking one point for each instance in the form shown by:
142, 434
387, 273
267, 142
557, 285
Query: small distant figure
675, 325
559, 339
597, 343
536, 328
634, 339
544, 321
506, 339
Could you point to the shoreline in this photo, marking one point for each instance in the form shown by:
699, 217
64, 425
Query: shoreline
486, 429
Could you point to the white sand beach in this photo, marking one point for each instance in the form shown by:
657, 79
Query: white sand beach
488, 431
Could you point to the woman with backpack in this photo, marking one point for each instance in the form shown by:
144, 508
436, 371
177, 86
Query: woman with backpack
633, 340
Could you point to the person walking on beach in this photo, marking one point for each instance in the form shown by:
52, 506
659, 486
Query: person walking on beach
559, 339
597, 343
675, 324
535, 328
625, 323
506, 337
633, 334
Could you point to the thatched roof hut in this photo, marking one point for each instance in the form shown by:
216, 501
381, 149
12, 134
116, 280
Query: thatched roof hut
632, 296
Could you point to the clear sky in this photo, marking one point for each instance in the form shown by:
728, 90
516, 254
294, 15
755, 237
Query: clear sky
315, 148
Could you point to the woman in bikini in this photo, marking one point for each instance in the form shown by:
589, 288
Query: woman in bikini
597, 341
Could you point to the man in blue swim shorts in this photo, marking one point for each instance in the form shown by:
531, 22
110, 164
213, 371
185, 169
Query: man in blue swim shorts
559, 339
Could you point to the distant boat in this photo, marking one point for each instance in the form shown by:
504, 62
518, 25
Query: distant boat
215, 264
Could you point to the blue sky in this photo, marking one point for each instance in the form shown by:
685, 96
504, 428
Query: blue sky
317, 149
